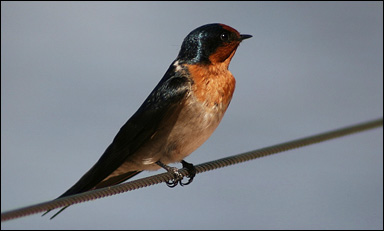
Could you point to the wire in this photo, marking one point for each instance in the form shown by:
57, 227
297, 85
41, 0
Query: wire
208, 166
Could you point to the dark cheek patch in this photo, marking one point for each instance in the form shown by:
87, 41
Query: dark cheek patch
223, 52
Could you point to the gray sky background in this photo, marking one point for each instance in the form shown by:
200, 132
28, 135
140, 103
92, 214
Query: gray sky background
72, 73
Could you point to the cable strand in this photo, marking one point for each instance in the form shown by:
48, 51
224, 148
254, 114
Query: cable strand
208, 166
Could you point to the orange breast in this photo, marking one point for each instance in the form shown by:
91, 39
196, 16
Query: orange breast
213, 84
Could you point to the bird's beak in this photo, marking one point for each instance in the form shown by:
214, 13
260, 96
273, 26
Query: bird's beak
245, 36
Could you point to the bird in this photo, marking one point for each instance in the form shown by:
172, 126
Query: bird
177, 117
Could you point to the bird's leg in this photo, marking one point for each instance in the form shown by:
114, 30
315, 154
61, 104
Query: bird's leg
178, 177
191, 172
174, 171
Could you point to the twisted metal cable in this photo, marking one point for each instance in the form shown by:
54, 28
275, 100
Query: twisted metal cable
208, 166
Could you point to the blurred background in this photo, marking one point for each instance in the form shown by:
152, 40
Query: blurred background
72, 73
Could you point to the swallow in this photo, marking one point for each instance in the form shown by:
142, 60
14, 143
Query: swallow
177, 117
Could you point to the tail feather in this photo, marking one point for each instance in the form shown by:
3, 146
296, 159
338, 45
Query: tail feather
54, 215
109, 182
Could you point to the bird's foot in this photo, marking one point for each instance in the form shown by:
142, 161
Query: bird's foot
178, 177
191, 172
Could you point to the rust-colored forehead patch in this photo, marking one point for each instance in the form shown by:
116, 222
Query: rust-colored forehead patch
228, 28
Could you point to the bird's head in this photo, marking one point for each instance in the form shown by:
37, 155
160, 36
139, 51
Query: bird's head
210, 44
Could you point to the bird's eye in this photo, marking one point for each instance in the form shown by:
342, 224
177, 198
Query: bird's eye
224, 37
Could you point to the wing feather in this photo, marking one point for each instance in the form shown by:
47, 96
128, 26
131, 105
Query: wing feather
164, 99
